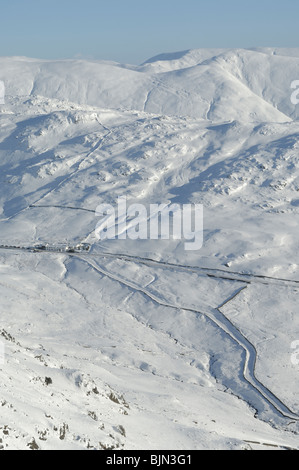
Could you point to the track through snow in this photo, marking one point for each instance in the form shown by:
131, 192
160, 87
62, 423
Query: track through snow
213, 314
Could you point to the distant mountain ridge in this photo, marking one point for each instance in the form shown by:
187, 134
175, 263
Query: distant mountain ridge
214, 84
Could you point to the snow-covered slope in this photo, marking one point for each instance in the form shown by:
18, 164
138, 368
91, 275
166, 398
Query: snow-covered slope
211, 84
140, 344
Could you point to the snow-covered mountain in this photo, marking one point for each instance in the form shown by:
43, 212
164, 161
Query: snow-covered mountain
140, 344
245, 85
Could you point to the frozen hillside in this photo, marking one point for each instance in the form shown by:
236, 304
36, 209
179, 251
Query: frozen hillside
125, 344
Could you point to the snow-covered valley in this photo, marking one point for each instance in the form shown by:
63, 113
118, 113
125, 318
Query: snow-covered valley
140, 344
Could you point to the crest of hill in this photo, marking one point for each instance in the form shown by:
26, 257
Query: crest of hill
219, 85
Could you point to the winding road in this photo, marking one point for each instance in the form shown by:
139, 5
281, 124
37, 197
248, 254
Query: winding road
213, 314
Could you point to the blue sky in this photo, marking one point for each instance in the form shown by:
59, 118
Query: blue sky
134, 30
